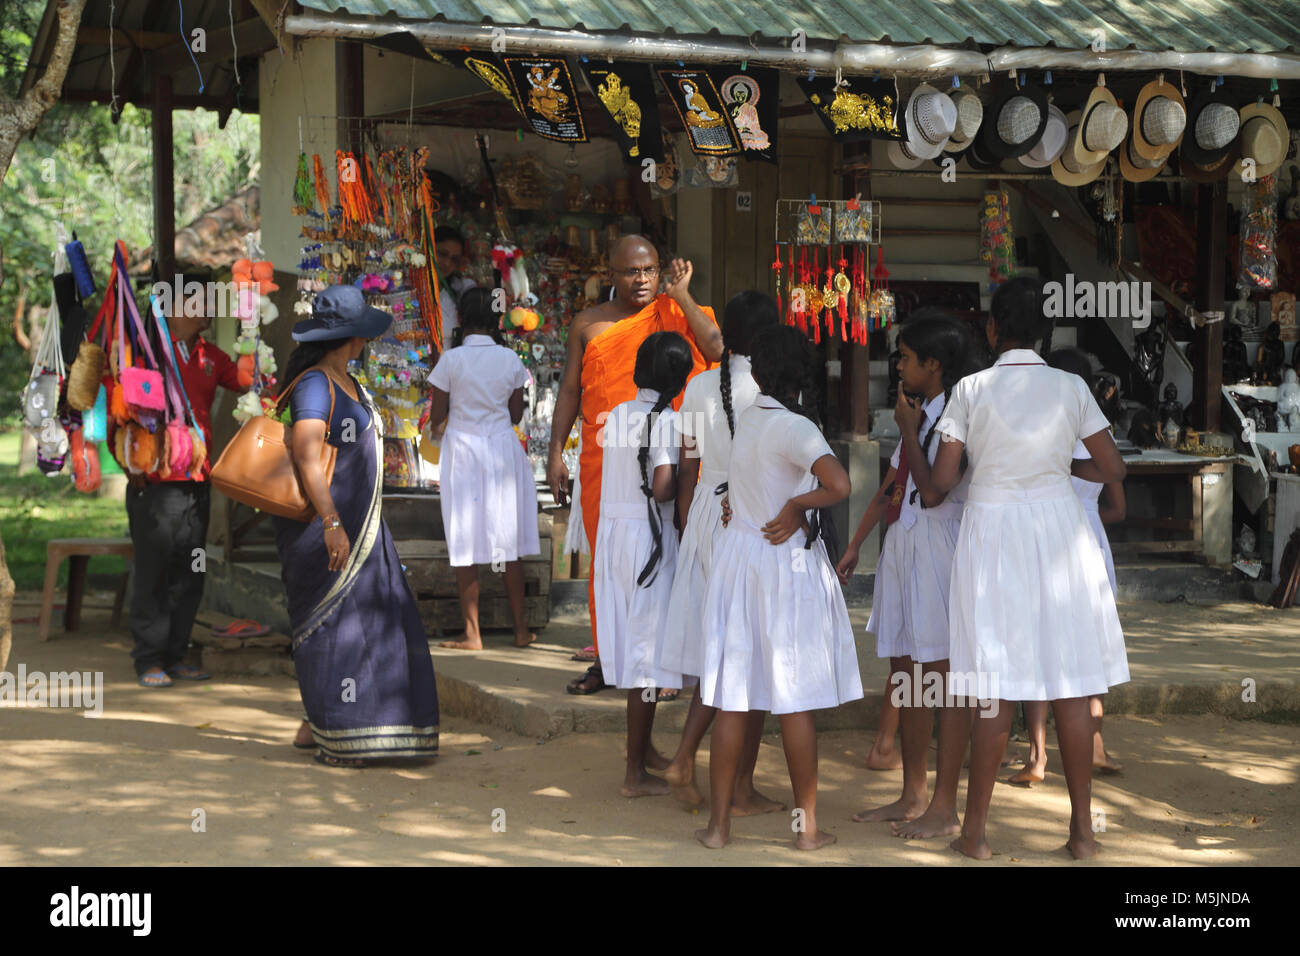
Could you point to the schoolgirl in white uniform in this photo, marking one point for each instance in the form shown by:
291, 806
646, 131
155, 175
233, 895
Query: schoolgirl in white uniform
777, 633
1029, 611
487, 491
636, 546
909, 609
713, 402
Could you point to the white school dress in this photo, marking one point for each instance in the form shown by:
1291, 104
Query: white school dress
488, 495
630, 617
777, 635
1029, 612
681, 648
909, 606
1089, 493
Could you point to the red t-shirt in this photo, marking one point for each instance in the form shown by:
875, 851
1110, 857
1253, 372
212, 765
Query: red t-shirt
206, 368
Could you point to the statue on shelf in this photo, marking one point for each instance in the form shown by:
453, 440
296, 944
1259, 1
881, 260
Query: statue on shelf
1271, 358
1105, 389
1288, 402
1242, 313
1142, 430
1149, 360
1236, 367
1169, 417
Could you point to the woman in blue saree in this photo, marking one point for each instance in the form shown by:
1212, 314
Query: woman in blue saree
359, 645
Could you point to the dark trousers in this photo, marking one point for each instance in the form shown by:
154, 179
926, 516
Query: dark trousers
168, 522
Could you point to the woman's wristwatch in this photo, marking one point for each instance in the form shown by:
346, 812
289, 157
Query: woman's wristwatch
331, 522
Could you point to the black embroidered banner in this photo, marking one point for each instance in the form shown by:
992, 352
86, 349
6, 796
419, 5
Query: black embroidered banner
627, 91
486, 66
751, 98
698, 103
859, 108
546, 93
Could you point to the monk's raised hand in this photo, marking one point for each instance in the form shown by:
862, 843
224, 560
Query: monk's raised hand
678, 278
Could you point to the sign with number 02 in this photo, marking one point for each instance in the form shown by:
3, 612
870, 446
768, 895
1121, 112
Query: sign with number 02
744, 201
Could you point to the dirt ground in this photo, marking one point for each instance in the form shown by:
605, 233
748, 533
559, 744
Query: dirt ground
126, 788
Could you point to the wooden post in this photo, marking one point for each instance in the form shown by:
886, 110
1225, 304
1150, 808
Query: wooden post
164, 188
350, 62
1207, 351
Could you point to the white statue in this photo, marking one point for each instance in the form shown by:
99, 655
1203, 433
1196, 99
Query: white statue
1288, 402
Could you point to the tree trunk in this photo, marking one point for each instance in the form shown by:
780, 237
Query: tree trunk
6, 608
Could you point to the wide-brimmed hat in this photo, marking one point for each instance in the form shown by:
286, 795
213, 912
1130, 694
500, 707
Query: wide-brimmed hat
901, 155
1056, 134
1159, 120
1014, 121
1216, 170
1264, 137
1212, 126
340, 312
1136, 168
1067, 170
1102, 126
930, 120
970, 113
977, 156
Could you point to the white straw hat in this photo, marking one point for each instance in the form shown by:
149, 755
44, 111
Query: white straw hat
1264, 138
1159, 119
970, 113
1067, 170
902, 156
931, 119
1050, 145
1101, 129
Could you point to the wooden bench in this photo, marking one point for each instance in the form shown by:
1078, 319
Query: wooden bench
78, 551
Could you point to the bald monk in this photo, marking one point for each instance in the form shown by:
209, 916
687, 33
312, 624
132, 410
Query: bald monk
598, 375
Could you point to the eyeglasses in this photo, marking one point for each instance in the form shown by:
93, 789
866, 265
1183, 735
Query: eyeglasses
649, 273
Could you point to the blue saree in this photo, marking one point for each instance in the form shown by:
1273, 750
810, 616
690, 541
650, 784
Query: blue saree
359, 645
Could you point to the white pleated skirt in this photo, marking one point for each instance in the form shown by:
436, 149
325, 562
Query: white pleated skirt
777, 635
488, 497
630, 618
1103, 542
1030, 613
681, 649
909, 606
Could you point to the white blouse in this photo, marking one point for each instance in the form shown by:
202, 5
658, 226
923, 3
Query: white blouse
705, 420
479, 376
771, 461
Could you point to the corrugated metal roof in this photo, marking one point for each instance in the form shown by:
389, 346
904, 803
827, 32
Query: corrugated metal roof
1262, 26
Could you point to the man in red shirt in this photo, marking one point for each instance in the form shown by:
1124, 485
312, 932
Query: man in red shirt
168, 518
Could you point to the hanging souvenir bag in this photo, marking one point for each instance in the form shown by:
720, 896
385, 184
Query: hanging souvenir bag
85, 461
94, 422
184, 457
88, 368
41, 396
143, 390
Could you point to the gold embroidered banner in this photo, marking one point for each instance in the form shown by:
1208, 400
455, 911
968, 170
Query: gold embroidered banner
627, 91
699, 104
858, 108
752, 100
547, 96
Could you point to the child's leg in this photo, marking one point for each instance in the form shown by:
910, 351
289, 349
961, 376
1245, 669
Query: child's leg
640, 721
680, 773
799, 737
747, 801
884, 755
1036, 727
988, 744
1074, 730
515, 593
917, 723
1101, 761
940, 818
467, 588
725, 748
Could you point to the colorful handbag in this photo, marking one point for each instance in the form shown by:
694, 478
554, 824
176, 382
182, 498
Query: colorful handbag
143, 449
85, 462
184, 456
95, 421
143, 390
91, 363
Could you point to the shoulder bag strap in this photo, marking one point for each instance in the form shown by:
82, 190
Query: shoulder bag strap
175, 384
284, 396
134, 313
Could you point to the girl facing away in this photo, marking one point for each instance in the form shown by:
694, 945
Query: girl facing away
1029, 612
777, 633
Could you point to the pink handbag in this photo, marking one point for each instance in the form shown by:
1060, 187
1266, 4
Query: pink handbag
142, 388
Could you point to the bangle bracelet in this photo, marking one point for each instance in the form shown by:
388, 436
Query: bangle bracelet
331, 522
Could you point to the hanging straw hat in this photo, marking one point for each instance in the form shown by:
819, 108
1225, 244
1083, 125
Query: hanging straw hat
1067, 170
901, 155
1212, 126
978, 158
970, 113
931, 119
1136, 168
1264, 138
1159, 119
1215, 171
1102, 126
1049, 146
1015, 121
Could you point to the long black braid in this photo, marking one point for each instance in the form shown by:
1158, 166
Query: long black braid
724, 387
662, 363
746, 314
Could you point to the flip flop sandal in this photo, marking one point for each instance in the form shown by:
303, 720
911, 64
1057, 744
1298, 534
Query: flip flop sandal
666, 695
342, 762
154, 680
242, 628
187, 672
586, 655
582, 687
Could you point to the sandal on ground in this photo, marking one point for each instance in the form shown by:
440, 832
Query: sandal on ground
589, 683
244, 627
154, 680
587, 654
187, 672
666, 694
344, 762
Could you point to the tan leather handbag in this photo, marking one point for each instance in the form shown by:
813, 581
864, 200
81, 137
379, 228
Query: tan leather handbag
257, 467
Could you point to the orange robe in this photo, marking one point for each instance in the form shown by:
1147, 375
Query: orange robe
607, 367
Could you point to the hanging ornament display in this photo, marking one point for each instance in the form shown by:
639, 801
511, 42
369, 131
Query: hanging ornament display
1259, 235
997, 242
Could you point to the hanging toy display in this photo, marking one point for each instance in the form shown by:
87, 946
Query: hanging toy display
997, 242
1259, 235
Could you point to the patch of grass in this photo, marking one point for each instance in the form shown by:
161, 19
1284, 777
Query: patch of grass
35, 509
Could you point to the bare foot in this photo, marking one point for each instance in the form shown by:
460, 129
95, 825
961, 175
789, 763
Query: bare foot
654, 760
1107, 767
1026, 777
688, 795
928, 825
975, 850
712, 838
1013, 759
646, 786
891, 760
304, 737
525, 639
1082, 848
462, 645
753, 804
903, 808
813, 841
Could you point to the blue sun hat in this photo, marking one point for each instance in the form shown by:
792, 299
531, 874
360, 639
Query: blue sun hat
340, 312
